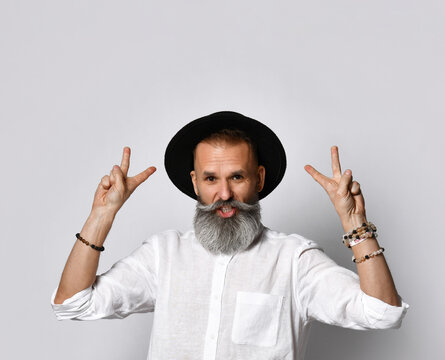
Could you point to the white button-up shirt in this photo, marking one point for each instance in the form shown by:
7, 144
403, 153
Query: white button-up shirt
257, 304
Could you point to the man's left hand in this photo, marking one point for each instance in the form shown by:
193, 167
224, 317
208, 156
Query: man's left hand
344, 193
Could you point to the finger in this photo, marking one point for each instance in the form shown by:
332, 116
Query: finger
117, 177
125, 163
317, 176
356, 191
360, 203
138, 179
112, 177
336, 168
344, 184
105, 182
355, 188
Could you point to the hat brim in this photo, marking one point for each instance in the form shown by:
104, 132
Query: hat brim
178, 159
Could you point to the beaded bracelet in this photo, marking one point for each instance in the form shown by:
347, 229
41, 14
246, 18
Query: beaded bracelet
365, 236
367, 257
98, 248
360, 234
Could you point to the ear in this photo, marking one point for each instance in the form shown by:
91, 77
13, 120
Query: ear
261, 175
194, 181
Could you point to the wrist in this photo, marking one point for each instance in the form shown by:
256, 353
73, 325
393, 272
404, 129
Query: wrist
353, 221
101, 216
97, 226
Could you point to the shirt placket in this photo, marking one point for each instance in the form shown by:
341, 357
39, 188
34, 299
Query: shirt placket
219, 274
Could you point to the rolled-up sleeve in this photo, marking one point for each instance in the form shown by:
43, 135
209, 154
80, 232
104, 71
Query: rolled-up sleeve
331, 294
128, 287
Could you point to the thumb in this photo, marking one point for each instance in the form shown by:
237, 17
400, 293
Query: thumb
138, 179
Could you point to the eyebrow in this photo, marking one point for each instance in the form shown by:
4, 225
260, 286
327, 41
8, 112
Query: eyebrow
236, 172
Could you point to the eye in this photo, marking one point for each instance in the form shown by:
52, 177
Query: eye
210, 178
237, 177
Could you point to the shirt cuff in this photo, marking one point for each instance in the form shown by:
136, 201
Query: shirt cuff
73, 306
381, 315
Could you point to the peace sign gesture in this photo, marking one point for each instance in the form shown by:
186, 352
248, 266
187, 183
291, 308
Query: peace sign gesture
344, 193
114, 189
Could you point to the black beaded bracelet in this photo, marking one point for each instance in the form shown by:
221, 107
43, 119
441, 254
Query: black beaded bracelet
98, 248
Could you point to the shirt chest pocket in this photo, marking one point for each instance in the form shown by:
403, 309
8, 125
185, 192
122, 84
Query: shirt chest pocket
256, 319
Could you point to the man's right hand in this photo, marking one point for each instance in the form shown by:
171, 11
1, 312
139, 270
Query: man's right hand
112, 192
114, 189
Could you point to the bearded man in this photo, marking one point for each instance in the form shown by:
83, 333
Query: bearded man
232, 288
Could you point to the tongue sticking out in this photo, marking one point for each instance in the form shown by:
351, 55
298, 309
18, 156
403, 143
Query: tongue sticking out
226, 211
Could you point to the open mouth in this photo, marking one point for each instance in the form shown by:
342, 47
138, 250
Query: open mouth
226, 211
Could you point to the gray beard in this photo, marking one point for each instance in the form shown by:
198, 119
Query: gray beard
227, 235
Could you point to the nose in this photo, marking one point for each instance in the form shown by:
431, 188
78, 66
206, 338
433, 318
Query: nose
224, 191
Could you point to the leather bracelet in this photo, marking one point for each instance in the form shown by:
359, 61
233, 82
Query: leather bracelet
98, 248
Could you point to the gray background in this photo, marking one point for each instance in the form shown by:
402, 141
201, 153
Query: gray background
81, 79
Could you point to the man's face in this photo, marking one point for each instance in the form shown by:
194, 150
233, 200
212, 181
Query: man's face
226, 180
225, 171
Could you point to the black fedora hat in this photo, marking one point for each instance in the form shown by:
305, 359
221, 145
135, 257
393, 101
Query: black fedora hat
178, 159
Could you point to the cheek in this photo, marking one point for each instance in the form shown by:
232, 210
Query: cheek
206, 193
244, 192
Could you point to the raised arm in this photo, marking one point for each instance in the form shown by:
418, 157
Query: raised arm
111, 193
345, 194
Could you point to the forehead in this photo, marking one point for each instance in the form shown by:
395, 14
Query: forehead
223, 153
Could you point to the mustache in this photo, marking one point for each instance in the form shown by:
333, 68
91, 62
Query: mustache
231, 202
